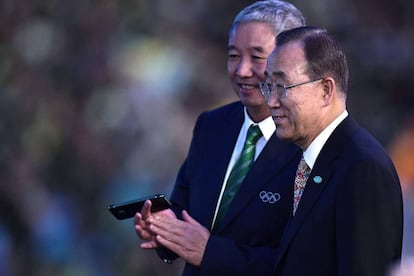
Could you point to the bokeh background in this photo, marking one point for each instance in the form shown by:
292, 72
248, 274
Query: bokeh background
98, 100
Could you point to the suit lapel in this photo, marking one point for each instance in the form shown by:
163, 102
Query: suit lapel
321, 172
271, 161
318, 180
219, 149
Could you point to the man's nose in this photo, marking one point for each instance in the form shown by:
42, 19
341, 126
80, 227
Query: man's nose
273, 100
244, 69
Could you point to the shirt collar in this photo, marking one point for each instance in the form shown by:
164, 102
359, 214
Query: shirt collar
267, 126
312, 152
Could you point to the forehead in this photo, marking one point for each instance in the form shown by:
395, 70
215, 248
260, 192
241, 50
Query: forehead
252, 34
286, 61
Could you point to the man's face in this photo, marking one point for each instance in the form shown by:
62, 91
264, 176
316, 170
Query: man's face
249, 47
298, 115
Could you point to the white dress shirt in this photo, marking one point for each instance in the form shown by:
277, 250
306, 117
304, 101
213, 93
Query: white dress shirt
312, 152
267, 127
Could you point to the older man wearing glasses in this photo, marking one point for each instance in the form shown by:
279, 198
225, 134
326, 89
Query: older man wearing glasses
347, 208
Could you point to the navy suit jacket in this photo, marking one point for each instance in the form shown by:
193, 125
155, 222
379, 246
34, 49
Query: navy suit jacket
246, 241
351, 222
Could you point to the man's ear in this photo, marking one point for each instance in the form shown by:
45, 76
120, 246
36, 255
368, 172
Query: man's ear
328, 86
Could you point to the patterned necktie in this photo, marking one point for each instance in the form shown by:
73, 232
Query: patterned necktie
239, 171
302, 175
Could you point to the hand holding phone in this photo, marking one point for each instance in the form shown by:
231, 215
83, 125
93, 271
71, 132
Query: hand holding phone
128, 209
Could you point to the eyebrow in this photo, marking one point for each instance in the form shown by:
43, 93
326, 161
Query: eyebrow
277, 74
231, 47
255, 48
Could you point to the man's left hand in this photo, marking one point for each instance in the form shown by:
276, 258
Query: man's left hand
187, 238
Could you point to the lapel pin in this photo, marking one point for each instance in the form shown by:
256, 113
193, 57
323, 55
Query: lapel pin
317, 179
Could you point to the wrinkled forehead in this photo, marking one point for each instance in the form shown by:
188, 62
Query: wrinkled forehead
286, 61
251, 27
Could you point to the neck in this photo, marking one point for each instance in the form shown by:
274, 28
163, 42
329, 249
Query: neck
327, 119
258, 114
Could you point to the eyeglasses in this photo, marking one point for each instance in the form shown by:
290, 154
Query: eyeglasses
281, 91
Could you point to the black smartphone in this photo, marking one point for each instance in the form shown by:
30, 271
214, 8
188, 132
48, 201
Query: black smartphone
128, 209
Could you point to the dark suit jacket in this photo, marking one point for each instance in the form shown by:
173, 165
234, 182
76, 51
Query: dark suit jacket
351, 223
245, 242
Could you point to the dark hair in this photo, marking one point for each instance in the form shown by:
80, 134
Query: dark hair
323, 55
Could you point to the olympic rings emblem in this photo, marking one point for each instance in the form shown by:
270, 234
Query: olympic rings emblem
269, 197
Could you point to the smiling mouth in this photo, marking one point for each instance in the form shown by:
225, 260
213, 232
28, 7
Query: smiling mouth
247, 86
277, 117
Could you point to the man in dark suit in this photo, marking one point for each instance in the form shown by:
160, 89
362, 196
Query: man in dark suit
347, 211
241, 240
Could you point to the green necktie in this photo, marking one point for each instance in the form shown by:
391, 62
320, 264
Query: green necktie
239, 171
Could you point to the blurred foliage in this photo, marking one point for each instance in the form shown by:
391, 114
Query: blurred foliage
98, 100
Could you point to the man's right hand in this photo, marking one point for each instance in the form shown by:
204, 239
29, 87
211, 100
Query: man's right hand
141, 224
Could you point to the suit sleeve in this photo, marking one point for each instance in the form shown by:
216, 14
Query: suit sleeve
224, 256
369, 220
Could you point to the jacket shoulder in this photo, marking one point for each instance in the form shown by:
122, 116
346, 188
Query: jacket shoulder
234, 107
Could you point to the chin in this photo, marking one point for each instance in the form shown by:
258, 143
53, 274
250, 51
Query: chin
282, 134
252, 100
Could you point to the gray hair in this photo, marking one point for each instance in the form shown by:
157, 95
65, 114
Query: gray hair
280, 15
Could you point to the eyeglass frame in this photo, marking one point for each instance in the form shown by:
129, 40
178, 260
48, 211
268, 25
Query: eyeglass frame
267, 89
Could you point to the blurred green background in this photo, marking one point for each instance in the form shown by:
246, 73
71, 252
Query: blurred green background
98, 100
